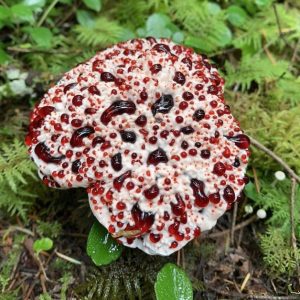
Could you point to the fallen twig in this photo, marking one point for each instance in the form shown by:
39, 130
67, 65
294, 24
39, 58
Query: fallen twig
293, 235
258, 145
237, 227
232, 229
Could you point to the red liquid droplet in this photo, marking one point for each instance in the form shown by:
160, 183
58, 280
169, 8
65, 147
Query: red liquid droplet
198, 115
128, 136
188, 62
45, 110
155, 68
143, 220
79, 134
179, 78
107, 77
152, 192
116, 162
214, 198
118, 182
93, 90
229, 194
173, 228
43, 153
197, 186
154, 238
219, 169
163, 105
241, 141
141, 121
162, 48
187, 130
156, 157
98, 140
118, 107
75, 166
179, 207
69, 86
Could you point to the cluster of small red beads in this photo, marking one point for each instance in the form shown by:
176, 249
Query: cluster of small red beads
143, 125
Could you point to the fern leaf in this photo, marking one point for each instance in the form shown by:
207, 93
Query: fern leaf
255, 69
103, 33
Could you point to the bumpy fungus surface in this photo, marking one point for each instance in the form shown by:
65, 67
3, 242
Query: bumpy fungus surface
144, 127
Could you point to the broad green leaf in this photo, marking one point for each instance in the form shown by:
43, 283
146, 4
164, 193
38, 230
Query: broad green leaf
157, 26
263, 3
251, 192
42, 36
236, 15
213, 8
35, 3
43, 244
4, 57
172, 283
5, 13
85, 18
22, 13
178, 37
101, 247
93, 4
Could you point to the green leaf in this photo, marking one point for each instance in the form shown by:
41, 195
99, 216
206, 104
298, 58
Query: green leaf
101, 247
263, 3
93, 4
236, 15
5, 13
22, 13
173, 284
4, 57
85, 18
156, 26
35, 3
43, 244
251, 192
42, 36
178, 37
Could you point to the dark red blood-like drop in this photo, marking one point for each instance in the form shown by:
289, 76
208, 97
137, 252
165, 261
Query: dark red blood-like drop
205, 153
173, 228
219, 169
98, 140
154, 238
197, 186
69, 86
179, 78
214, 198
93, 90
157, 156
79, 134
43, 153
152, 192
155, 68
75, 166
187, 130
179, 207
118, 107
116, 162
45, 110
143, 220
198, 115
240, 140
107, 77
118, 182
163, 105
77, 100
229, 194
162, 48
141, 121
188, 62
128, 136
90, 111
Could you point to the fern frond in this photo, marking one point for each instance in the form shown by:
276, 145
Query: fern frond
15, 164
255, 69
103, 33
194, 17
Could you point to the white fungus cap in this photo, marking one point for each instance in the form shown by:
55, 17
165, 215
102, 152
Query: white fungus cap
279, 175
261, 213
